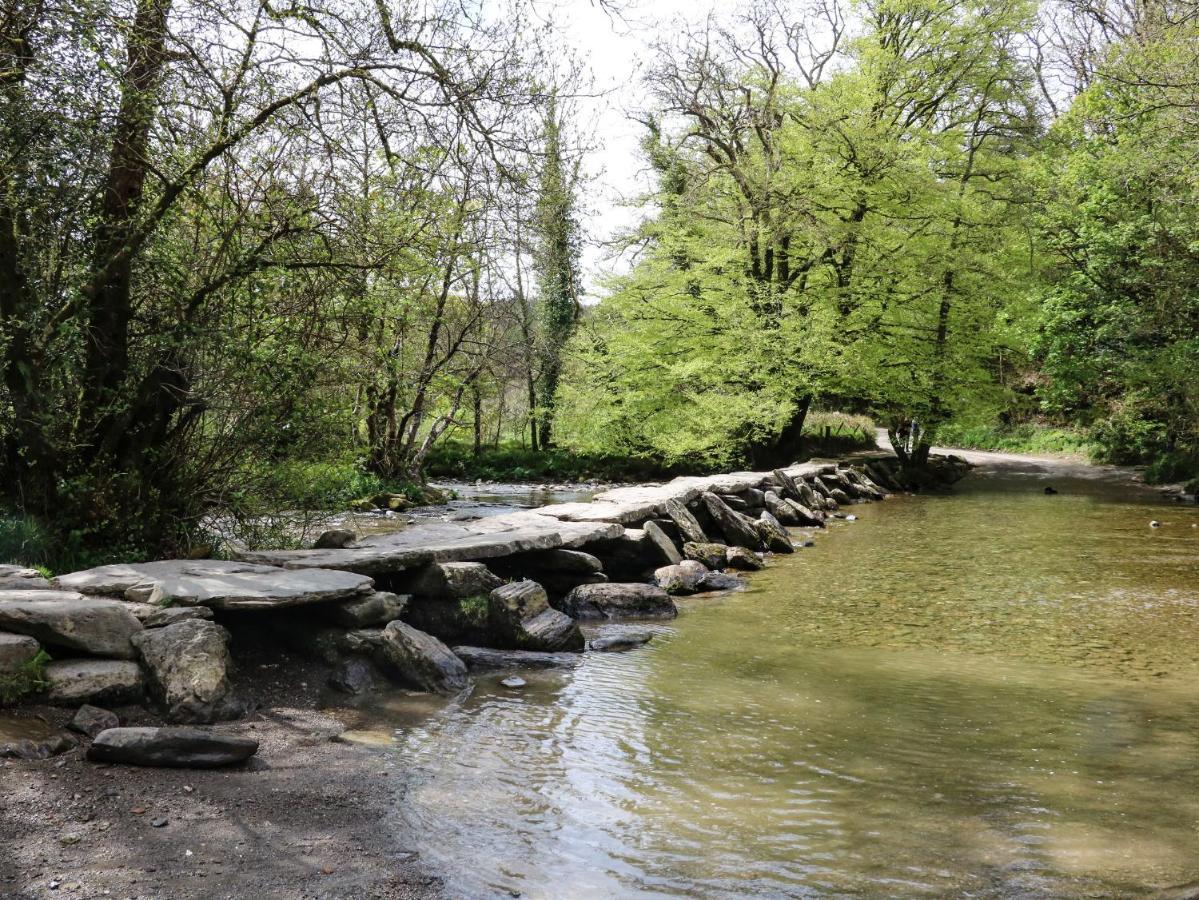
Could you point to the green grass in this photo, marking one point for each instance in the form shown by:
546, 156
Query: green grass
25, 681
1027, 438
827, 433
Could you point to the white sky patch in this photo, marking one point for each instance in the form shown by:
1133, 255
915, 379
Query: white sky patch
615, 48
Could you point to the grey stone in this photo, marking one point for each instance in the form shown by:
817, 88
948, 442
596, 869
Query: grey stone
486, 658
28, 738
419, 659
790, 487
610, 601
521, 615
72, 681
173, 614
746, 560
781, 509
188, 666
91, 720
686, 522
734, 502
719, 581
512, 681
71, 620
182, 748
353, 676
491, 537
572, 562
774, 535
221, 584
802, 515
739, 530
335, 539
624, 640
16, 650
18, 578
377, 608
452, 581
714, 556
681, 579
661, 540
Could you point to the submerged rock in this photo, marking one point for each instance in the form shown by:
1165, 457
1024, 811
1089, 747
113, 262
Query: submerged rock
91, 720
484, 658
610, 601
188, 665
624, 640
185, 748
71, 620
719, 581
73, 681
22, 738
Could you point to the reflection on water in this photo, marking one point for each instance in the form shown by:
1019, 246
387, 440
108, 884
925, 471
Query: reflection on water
991, 694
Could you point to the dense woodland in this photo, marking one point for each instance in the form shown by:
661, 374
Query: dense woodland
259, 255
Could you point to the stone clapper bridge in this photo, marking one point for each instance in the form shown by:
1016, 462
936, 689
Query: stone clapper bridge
501, 591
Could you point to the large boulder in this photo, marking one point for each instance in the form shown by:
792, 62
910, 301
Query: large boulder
713, 556
71, 620
781, 509
220, 584
377, 608
487, 658
684, 578
522, 617
417, 659
188, 665
183, 748
790, 489
16, 652
802, 515
573, 562
687, 524
18, 578
745, 560
660, 539
722, 581
774, 535
73, 681
451, 581
335, 539
610, 601
739, 530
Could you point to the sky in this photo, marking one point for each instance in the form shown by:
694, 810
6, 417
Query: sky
615, 50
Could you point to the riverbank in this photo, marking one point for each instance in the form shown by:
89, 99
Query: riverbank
268, 828
312, 816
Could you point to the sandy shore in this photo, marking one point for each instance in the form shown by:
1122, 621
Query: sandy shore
309, 817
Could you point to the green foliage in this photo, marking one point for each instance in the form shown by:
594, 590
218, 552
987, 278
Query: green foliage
1026, 438
474, 610
26, 681
515, 463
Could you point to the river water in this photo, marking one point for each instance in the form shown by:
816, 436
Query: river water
990, 694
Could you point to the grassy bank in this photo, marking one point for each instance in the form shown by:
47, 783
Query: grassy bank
1027, 438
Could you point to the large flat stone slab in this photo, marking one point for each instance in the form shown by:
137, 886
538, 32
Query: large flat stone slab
19, 578
440, 542
221, 584
69, 619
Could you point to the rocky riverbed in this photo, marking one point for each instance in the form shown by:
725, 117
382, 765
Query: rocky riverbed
249, 650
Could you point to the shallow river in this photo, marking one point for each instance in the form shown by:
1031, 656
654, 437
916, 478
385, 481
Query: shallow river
992, 694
